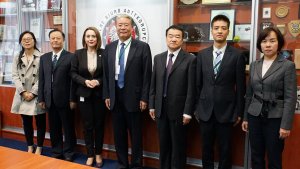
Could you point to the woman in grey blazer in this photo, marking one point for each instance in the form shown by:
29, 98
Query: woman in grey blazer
270, 101
25, 73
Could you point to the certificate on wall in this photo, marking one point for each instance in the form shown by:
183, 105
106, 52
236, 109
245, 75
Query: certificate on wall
36, 27
230, 13
215, 1
243, 31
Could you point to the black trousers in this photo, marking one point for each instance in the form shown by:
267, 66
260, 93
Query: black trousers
40, 121
264, 138
124, 121
212, 131
92, 112
172, 141
62, 118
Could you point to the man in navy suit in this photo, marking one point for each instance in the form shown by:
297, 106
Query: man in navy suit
56, 94
220, 88
172, 99
126, 81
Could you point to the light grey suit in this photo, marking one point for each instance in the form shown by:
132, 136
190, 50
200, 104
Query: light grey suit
278, 85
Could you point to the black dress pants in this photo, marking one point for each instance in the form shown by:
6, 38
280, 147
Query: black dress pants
62, 117
40, 121
211, 131
92, 112
124, 121
264, 138
172, 141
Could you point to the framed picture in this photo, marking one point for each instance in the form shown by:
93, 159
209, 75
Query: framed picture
196, 32
42, 5
243, 31
28, 5
297, 109
47, 30
55, 4
35, 26
230, 13
215, 1
264, 25
266, 13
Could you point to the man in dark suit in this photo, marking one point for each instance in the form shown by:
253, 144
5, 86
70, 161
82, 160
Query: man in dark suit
171, 99
126, 81
220, 88
56, 94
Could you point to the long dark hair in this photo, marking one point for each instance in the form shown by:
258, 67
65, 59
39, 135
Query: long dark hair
23, 50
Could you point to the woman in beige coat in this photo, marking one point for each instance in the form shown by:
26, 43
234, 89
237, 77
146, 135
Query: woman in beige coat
25, 76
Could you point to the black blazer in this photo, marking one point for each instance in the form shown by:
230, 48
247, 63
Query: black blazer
181, 85
80, 73
62, 86
137, 74
278, 86
223, 95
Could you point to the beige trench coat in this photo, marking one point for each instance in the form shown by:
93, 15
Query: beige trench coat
26, 79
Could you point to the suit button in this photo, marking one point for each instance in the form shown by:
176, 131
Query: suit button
22, 75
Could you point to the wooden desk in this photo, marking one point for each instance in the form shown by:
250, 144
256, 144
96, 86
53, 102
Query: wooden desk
15, 159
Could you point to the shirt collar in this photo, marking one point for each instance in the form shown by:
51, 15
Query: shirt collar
58, 53
175, 53
126, 42
221, 49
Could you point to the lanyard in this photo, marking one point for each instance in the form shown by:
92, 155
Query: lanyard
118, 50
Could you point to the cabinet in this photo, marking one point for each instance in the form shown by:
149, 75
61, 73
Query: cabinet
16, 16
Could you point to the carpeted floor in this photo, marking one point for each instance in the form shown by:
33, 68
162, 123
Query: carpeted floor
79, 158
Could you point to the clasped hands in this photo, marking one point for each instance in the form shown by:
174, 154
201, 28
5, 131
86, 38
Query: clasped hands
28, 96
91, 83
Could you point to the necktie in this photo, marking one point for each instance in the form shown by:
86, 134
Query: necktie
121, 64
217, 62
54, 61
168, 71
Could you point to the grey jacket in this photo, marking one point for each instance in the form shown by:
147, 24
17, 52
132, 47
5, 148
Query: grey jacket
278, 87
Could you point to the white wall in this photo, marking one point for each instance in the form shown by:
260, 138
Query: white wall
155, 13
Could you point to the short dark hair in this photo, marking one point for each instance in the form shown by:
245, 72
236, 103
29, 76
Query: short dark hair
98, 46
220, 18
57, 30
266, 32
177, 27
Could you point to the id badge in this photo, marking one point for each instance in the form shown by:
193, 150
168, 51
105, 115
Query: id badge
81, 99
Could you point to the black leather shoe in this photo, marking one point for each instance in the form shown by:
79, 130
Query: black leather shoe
70, 159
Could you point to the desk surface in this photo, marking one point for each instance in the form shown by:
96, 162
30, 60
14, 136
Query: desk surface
15, 159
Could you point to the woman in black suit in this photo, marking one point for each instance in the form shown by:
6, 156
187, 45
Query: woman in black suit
87, 72
270, 101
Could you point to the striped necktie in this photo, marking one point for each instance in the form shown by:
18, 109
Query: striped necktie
217, 62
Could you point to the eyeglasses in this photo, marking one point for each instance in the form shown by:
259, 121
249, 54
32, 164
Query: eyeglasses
26, 39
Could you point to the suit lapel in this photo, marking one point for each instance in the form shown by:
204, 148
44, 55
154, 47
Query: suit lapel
130, 54
163, 61
209, 62
98, 63
84, 61
258, 68
178, 61
274, 67
225, 59
61, 58
112, 60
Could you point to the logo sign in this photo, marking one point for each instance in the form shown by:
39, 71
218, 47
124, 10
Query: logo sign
108, 29
294, 27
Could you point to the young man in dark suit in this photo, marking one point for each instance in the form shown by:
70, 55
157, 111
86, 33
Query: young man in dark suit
220, 87
171, 100
56, 94
127, 73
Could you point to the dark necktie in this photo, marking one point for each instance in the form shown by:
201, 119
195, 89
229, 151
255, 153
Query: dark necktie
168, 71
54, 61
122, 69
217, 62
